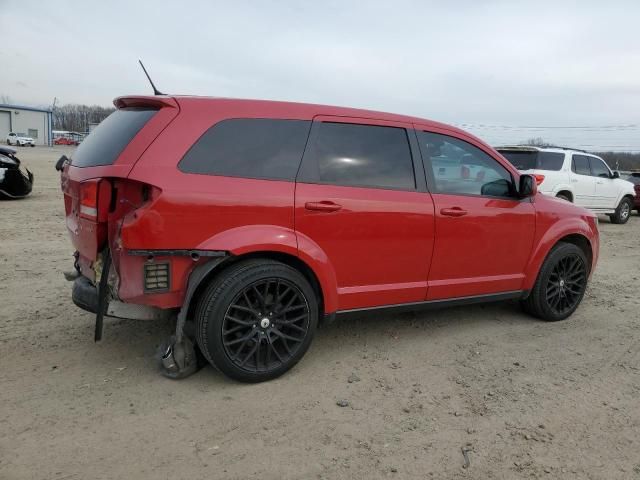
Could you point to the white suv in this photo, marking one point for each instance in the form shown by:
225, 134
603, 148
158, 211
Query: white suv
576, 176
20, 139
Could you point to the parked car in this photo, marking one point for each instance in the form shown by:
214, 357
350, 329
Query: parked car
575, 176
20, 139
65, 141
255, 221
14, 182
635, 179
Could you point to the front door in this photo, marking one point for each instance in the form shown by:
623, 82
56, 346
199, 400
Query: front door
606, 192
358, 198
484, 233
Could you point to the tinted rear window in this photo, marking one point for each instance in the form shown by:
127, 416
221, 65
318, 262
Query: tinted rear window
110, 138
360, 156
529, 160
250, 148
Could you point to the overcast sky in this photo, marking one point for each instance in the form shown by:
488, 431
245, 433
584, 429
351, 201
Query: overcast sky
485, 65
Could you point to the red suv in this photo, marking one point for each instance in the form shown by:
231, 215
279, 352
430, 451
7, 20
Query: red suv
254, 221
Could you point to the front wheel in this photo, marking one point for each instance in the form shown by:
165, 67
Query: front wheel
623, 212
256, 320
560, 285
563, 196
8, 142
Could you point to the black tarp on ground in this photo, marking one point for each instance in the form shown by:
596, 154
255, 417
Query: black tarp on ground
14, 182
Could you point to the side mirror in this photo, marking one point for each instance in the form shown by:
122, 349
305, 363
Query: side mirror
616, 174
528, 186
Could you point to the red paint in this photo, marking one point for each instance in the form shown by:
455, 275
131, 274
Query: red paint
366, 247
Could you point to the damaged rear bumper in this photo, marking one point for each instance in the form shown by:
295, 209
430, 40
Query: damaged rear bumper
85, 295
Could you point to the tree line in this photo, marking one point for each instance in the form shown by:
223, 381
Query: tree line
74, 117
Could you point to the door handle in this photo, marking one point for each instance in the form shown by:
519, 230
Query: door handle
453, 212
323, 206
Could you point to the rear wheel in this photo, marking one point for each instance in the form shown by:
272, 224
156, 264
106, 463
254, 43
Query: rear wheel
256, 320
560, 285
563, 196
623, 212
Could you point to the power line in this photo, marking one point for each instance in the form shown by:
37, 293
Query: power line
550, 127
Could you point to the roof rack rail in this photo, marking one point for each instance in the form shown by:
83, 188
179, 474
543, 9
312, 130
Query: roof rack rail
543, 146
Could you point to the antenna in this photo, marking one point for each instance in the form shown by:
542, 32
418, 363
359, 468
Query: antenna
155, 90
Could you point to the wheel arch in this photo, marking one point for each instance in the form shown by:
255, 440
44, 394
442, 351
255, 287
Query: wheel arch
283, 257
577, 233
566, 192
282, 244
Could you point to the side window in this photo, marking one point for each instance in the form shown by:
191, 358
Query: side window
598, 168
580, 165
359, 156
250, 148
459, 168
550, 161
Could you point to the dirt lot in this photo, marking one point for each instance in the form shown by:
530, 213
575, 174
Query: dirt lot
525, 398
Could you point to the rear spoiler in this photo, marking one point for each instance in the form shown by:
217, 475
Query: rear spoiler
158, 101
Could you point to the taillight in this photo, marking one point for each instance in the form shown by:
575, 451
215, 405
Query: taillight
95, 196
539, 179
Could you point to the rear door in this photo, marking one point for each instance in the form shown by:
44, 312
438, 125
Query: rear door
582, 182
606, 192
484, 233
361, 198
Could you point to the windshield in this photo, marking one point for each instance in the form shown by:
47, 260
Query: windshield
534, 160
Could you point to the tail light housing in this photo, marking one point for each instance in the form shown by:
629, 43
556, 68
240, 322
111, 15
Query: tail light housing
95, 197
539, 179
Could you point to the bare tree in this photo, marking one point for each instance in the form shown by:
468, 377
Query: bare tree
76, 118
536, 142
5, 98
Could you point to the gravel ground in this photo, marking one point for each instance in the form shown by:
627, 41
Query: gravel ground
377, 396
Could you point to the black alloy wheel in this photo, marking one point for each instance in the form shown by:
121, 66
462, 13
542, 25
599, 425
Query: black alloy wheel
561, 283
265, 325
566, 284
256, 320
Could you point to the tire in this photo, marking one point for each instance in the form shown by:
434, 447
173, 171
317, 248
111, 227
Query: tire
9, 142
623, 212
240, 339
563, 196
565, 271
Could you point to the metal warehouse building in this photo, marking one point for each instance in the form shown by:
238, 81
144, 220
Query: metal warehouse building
32, 122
